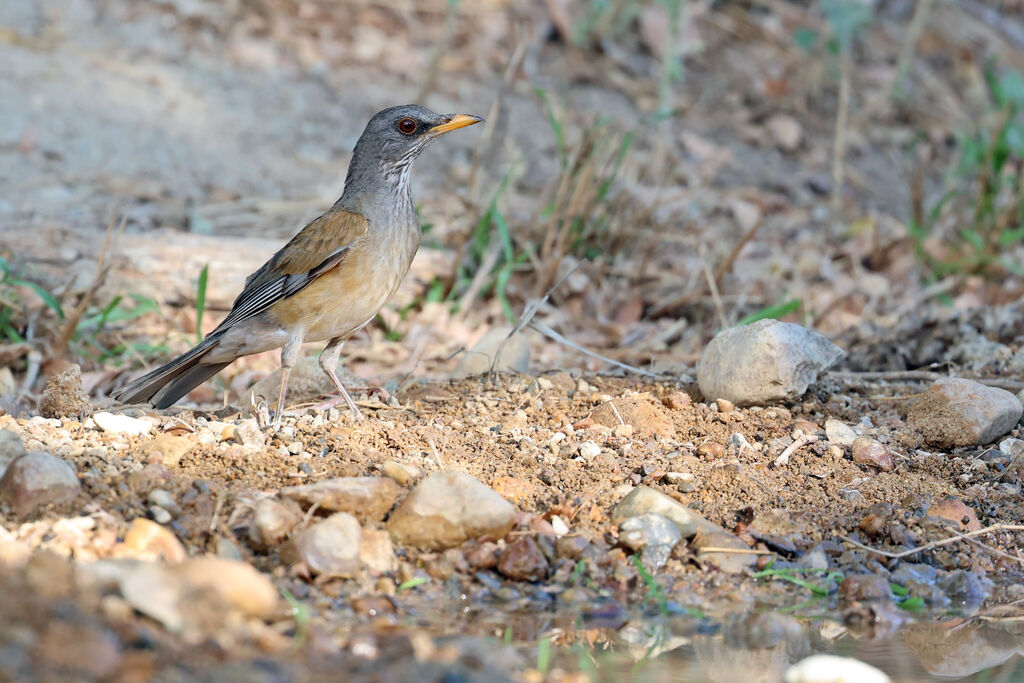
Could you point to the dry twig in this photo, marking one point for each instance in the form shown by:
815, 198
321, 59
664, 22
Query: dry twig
792, 448
945, 541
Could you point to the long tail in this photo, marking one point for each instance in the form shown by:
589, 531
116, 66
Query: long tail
168, 383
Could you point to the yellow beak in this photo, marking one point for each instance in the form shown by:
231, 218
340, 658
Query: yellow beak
455, 122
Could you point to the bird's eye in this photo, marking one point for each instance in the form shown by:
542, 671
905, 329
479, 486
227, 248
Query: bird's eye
407, 126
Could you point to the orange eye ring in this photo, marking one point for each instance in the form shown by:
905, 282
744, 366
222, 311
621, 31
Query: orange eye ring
407, 126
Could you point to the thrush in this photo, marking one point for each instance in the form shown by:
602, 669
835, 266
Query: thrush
332, 278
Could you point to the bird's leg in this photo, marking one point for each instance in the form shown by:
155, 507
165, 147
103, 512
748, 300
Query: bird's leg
328, 363
289, 355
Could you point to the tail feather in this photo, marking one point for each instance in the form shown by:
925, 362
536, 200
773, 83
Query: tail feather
168, 383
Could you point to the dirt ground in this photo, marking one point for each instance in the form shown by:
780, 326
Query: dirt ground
142, 142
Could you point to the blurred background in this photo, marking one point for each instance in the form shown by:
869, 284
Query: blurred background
673, 166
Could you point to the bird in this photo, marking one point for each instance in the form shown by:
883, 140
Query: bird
331, 279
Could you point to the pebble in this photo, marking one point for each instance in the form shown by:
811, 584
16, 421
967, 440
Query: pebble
448, 508
330, 547
164, 500
956, 511
765, 362
240, 585
724, 405
838, 432
955, 412
159, 515
1010, 447
867, 451
643, 500
168, 449
515, 355
368, 498
739, 442
121, 424
149, 541
37, 479
63, 395
710, 449
272, 521
522, 560
589, 450
653, 536
11, 447
679, 478
559, 526
730, 563
833, 669
248, 433
966, 591
403, 474
376, 553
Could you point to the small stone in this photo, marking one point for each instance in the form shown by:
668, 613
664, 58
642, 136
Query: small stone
676, 400
589, 450
954, 510
515, 355
272, 521
711, 450
63, 395
785, 131
559, 526
872, 525
851, 496
765, 362
571, 547
376, 553
653, 536
160, 515
163, 499
448, 508
806, 426
644, 416
739, 442
248, 433
37, 479
403, 474
870, 452
839, 432
238, 584
168, 449
330, 547
679, 478
644, 500
724, 405
368, 498
121, 424
523, 560
833, 669
10, 448
956, 412
149, 541
730, 563
1010, 447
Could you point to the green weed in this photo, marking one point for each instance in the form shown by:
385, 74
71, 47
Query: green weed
778, 310
201, 301
831, 580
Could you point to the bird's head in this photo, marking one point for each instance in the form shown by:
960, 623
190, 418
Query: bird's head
394, 138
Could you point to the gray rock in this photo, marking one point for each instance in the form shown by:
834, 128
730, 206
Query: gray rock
448, 508
368, 498
653, 536
839, 432
644, 500
272, 521
515, 356
37, 479
867, 451
956, 412
248, 433
1010, 447
730, 563
10, 448
765, 362
330, 547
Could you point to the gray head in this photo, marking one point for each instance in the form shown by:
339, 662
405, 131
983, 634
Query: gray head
390, 143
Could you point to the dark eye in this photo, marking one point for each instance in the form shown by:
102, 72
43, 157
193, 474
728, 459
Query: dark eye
407, 126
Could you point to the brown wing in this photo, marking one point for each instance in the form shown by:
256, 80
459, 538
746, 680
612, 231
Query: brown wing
317, 248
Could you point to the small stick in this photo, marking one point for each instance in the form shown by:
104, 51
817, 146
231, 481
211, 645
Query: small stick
792, 448
923, 376
936, 544
441, 464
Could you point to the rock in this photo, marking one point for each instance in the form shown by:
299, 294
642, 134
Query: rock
870, 452
404, 475
515, 356
238, 584
121, 424
272, 521
368, 498
765, 362
966, 591
37, 479
63, 395
10, 448
448, 508
643, 413
739, 442
149, 541
956, 412
523, 560
589, 450
785, 131
376, 553
959, 653
168, 449
330, 547
653, 536
248, 433
864, 588
833, 669
839, 432
1010, 447
730, 563
644, 500
954, 510
711, 450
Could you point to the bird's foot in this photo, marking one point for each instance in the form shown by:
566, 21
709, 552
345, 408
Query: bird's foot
327, 405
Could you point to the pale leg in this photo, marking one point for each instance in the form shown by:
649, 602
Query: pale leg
289, 355
328, 362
